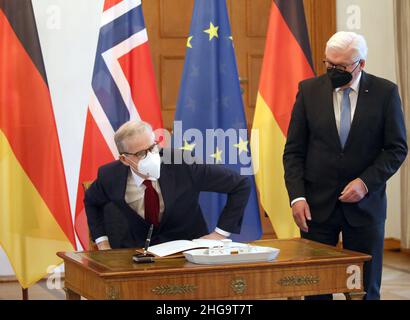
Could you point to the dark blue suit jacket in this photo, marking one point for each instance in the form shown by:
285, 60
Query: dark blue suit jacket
316, 166
109, 214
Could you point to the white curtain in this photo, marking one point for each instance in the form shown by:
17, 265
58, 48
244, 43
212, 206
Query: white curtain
402, 31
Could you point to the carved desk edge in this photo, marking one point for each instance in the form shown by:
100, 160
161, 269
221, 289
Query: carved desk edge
104, 272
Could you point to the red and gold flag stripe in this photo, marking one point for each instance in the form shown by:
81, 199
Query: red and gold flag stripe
35, 219
287, 61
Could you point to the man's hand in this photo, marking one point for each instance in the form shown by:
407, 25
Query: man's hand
353, 192
104, 245
213, 236
301, 213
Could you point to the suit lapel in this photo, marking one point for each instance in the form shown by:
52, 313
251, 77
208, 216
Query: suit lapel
166, 182
167, 185
120, 183
361, 107
328, 111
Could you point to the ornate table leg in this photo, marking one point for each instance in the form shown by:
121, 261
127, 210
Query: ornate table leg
355, 295
71, 295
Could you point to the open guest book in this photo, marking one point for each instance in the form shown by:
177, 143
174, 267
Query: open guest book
204, 251
178, 246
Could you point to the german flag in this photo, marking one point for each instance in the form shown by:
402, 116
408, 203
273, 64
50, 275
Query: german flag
287, 61
35, 219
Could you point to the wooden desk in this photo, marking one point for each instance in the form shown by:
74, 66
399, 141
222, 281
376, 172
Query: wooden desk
302, 268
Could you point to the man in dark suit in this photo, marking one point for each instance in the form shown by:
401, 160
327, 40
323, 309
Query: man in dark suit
138, 190
346, 139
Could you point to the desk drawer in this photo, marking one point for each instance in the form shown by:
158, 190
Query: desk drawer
251, 284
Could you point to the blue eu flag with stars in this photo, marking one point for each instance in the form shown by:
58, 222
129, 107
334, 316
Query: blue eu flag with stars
210, 101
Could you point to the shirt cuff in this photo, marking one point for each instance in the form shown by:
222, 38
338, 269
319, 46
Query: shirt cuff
367, 189
101, 239
222, 232
297, 200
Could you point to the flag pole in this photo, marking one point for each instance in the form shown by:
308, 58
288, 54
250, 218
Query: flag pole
24, 293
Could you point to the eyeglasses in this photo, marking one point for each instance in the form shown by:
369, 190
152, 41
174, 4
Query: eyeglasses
339, 67
142, 154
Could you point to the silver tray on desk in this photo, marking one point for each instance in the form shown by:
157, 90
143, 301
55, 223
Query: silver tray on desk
261, 254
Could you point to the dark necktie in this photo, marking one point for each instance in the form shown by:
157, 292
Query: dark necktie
151, 203
345, 117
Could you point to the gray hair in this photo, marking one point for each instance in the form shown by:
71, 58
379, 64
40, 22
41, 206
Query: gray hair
343, 41
130, 129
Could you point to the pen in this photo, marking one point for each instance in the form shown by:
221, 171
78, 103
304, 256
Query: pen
148, 240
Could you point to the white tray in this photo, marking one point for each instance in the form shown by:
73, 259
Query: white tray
262, 254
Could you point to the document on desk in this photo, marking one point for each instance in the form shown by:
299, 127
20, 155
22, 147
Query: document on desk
172, 247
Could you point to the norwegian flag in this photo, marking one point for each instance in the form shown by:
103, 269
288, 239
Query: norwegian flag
123, 88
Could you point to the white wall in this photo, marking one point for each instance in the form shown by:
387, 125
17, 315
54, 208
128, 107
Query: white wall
374, 20
68, 32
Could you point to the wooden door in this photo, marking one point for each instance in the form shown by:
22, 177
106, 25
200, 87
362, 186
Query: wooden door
168, 23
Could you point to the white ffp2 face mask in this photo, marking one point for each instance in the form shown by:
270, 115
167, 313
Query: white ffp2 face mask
150, 166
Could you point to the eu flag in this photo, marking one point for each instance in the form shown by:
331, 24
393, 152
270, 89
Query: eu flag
210, 101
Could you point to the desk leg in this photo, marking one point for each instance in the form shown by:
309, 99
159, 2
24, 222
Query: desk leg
71, 295
355, 295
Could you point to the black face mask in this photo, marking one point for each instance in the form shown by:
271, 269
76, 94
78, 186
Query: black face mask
340, 78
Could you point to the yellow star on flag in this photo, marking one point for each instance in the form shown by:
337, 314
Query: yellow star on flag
217, 155
187, 146
188, 42
212, 31
231, 38
242, 146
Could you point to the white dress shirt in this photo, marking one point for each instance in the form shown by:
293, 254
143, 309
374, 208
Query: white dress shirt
134, 194
337, 107
134, 197
337, 101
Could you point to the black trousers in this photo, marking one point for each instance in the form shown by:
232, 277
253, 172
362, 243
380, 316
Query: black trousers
366, 239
